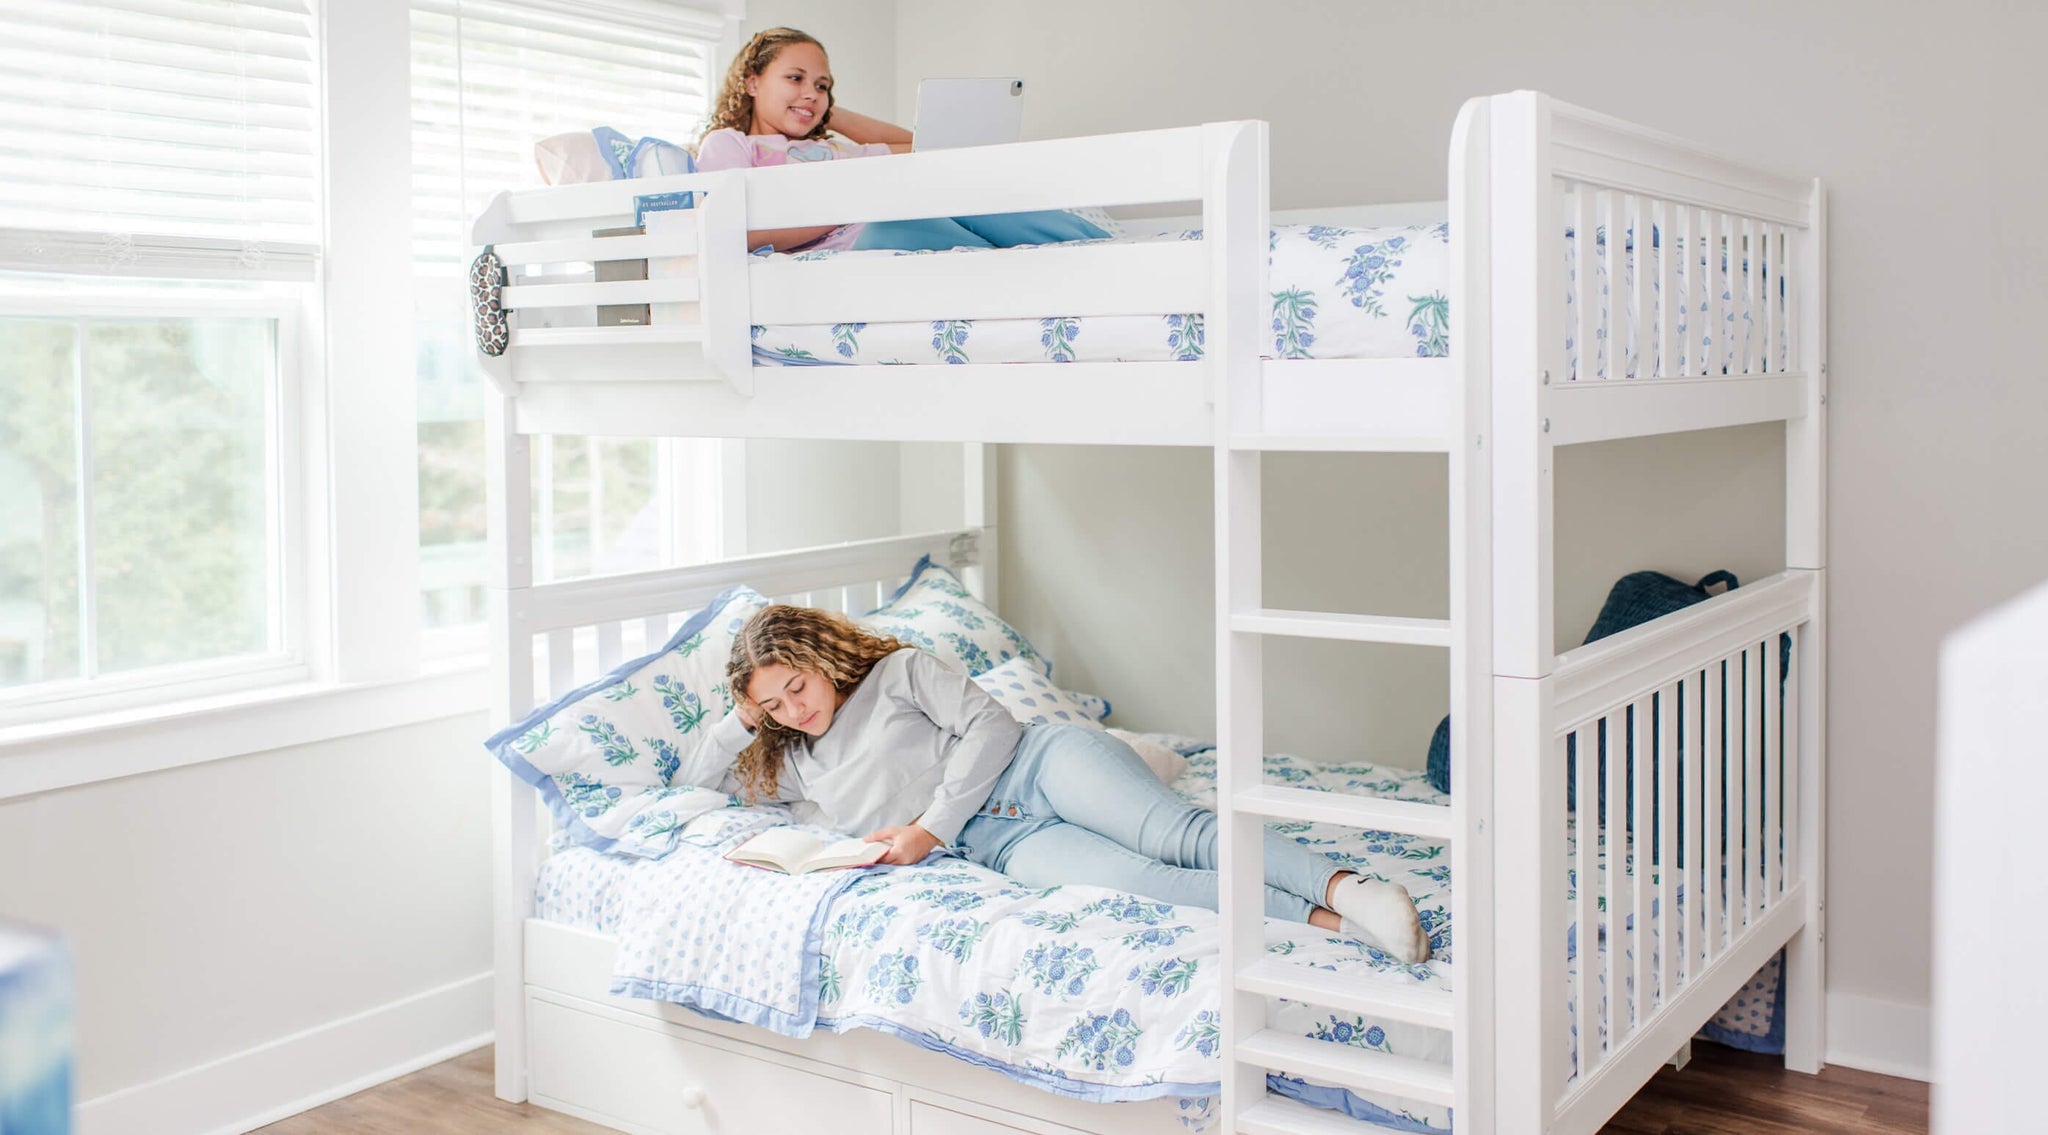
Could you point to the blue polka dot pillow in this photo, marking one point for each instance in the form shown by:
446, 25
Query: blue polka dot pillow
934, 611
603, 755
1032, 699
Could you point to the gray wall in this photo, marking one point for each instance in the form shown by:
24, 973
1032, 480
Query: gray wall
1923, 125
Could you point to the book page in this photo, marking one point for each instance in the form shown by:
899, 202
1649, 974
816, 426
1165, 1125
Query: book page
780, 848
796, 853
845, 853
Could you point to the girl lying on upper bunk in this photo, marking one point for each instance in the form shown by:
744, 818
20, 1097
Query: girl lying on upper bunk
775, 108
864, 733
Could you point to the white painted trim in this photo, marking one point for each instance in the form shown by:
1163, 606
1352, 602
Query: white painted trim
373, 468
303, 1070
64, 754
1891, 1038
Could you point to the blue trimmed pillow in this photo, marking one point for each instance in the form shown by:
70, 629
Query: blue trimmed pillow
602, 755
934, 611
1032, 699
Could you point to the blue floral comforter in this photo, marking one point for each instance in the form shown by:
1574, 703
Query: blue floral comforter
1085, 992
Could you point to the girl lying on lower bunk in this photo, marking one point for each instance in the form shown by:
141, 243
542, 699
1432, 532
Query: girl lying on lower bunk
863, 733
775, 108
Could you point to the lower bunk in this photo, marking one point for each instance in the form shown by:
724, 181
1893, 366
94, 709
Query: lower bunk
685, 994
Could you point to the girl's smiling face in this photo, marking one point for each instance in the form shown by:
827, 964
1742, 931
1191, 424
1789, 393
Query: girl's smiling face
793, 93
797, 699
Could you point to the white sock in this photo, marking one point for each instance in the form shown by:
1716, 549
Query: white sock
1381, 915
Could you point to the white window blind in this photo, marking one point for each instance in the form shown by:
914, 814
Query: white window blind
159, 137
492, 77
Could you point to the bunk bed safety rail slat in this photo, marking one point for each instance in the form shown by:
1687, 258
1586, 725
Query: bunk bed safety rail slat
1679, 271
1683, 749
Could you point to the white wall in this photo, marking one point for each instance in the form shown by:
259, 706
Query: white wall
1922, 126
859, 38
256, 931
803, 493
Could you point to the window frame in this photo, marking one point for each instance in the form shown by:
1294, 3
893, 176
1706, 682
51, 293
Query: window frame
289, 489
363, 661
685, 538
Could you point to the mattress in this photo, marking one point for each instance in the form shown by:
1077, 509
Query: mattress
935, 917
1335, 293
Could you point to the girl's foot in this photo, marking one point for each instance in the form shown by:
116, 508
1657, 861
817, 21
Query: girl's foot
1381, 915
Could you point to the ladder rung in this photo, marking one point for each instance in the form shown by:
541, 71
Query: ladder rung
1370, 995
1355, 1068
1355, 628
1278, 1115
1430, 821
1341, 443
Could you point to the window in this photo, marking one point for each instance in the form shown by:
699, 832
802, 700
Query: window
158, 236
490, 79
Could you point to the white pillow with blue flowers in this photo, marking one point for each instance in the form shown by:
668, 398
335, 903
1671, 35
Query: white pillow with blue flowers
935, 612
1032, 699
603, 755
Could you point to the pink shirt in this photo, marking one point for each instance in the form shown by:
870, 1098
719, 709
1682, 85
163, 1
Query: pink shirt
730, 149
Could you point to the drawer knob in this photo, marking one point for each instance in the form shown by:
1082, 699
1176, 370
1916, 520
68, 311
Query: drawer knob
692, 1097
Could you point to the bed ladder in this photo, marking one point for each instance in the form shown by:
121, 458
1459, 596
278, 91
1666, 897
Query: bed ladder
1247, 803
1235, 232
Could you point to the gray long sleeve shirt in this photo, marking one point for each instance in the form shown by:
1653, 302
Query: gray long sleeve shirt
915, 741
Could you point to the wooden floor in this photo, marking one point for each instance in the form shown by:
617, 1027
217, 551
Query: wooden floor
1723, 1092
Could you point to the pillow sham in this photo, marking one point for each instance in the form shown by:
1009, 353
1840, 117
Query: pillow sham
602, 755
1032, 699
934, 611
570, 159
1101, 219
1165, 762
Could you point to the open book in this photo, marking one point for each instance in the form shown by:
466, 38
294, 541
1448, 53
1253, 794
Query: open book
797, 853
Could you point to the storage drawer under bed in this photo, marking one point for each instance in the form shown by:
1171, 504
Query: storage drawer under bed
644, 1079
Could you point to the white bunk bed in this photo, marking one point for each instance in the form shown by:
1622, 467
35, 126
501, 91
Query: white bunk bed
1523, 169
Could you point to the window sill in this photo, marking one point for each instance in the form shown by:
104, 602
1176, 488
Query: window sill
50, 755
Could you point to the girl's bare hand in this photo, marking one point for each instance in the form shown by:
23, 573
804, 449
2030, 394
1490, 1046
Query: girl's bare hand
908, 844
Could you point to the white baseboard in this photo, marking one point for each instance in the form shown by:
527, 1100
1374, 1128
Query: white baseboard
288, 1075
1886, 1037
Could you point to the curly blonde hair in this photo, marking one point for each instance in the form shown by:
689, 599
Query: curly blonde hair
801, 638
734, 109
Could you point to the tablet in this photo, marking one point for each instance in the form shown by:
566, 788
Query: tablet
968, 112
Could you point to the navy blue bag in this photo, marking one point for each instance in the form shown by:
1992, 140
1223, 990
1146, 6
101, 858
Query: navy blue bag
1636, 599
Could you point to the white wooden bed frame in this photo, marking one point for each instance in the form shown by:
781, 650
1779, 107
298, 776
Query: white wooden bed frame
1522, 167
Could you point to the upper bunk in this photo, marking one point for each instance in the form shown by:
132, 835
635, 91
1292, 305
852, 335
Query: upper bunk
672, 328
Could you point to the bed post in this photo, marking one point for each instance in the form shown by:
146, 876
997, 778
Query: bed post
1471, 551
515, 828
1806, 546
1234, 218
978, 515
1529, 917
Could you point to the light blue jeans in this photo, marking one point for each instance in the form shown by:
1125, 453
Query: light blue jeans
1077, 805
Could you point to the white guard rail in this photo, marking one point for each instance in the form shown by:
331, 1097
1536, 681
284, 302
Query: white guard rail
1638, 285
704, 292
